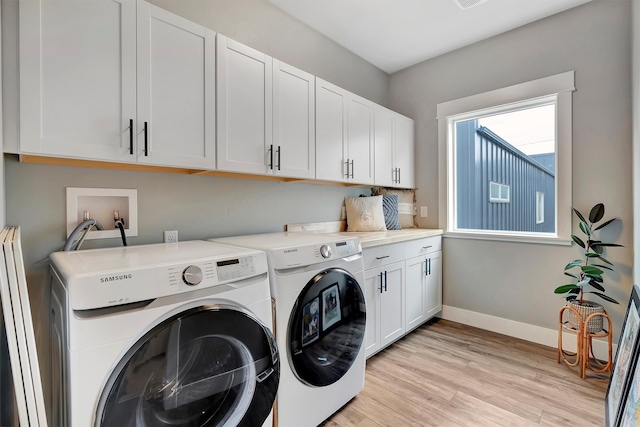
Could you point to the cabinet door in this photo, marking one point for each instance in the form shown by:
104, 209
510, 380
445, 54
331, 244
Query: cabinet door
293, 151
392, 319
176, 90
244, 108
78, 78
372, 292
404, 148
433, 285
384, 172
360, 140
331, 131
416, 298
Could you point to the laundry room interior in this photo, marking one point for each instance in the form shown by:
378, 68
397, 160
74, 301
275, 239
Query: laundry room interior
486, 351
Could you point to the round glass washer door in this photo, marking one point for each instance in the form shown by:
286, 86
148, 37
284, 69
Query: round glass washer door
326, 327
207, 366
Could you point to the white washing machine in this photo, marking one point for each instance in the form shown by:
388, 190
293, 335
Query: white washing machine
316, 281
162, 335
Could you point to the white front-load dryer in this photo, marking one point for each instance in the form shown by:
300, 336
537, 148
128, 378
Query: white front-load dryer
162, 335
316, 282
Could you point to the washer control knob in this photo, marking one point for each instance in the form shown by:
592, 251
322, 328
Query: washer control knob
192, 275
325, 251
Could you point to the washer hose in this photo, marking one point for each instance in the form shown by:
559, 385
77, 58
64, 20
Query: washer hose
84, 226
120, 225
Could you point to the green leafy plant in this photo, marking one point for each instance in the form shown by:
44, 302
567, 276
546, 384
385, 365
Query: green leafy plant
589, 271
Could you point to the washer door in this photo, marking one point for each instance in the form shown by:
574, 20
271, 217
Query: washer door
207, 366
326, 327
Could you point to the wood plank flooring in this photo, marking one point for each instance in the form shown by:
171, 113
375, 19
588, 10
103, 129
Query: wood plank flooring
449, 374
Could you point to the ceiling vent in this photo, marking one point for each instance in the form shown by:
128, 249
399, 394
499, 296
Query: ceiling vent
466, 4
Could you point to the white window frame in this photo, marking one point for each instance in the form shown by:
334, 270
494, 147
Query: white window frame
557, 89
539, 207
500, 187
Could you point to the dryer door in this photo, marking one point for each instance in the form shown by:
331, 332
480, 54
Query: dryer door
326, 327
207, 366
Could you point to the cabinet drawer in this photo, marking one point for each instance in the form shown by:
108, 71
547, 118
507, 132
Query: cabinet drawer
383, 255
423, 246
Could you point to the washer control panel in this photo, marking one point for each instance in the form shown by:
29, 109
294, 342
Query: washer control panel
236, 268
115, 276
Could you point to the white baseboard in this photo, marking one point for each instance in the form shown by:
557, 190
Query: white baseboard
512, 328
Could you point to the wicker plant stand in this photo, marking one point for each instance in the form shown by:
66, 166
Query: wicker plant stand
584, 357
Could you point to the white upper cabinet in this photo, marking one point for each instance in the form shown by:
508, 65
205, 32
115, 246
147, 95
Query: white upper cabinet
331, 131
394, 149
344, 135
78, 78
404, 153
176, 90
293, 151
360, 140
102, 80
266, 114
244, 108
385, 171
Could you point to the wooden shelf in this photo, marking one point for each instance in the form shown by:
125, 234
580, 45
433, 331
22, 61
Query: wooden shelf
61, 161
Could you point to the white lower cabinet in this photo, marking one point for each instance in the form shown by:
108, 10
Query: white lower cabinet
403, 289
384, 295
424, 289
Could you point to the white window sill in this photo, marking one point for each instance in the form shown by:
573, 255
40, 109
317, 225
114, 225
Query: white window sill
551, 239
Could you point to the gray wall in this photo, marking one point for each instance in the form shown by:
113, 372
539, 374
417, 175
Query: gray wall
197, 206
516, 280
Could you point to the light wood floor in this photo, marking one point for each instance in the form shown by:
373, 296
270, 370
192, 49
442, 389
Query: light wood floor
448, 374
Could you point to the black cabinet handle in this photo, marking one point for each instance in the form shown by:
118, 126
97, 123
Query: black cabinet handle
278, 157
382, 257
398, 175
427, 247
271, 157
131, 137
385, 281
352, 168
429, 264
380, 288
146, 139
347, 162
426, 267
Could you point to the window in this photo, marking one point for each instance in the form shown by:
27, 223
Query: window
498, 193
539, 207
501, 152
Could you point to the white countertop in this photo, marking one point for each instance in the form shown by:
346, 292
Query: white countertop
370, 239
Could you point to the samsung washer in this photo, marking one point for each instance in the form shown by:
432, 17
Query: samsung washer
162, 335
316, 281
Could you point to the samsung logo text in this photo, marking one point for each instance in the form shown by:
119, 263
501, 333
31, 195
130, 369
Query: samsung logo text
108, 279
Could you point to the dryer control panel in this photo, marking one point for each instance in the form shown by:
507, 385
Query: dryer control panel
313, 254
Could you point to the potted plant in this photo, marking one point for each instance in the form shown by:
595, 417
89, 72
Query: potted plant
587, 272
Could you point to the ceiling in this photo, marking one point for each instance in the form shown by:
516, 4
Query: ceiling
395, 34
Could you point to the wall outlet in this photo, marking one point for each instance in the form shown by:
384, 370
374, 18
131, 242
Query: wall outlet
171, 236
423, 211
